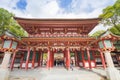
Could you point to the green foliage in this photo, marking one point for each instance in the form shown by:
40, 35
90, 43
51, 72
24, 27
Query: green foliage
97, 33
7, 22
115, 31
45, 56
72, 55
111, 15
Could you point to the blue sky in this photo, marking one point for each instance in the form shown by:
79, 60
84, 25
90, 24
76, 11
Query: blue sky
21, 4
56, 8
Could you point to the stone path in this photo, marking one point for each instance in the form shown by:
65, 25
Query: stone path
57, 74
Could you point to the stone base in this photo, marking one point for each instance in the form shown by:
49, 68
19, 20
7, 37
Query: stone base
4, 74
113, 74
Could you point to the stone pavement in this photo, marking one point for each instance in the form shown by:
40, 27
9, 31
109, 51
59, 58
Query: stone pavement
57, 74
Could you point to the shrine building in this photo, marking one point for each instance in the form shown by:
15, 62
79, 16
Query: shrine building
57, 43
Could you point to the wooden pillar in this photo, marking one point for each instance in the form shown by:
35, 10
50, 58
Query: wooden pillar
39, 58
27, 59
68, 58
51, 60
76, 58
33, 58
83, 60
89, 61
64, 57
102, 59
21, 60
12, 61
41, 62
93, 54
48, 59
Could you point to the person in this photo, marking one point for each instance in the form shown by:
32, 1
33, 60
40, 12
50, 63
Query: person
71, 65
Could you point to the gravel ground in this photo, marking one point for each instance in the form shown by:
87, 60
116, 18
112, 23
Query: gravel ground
58, 74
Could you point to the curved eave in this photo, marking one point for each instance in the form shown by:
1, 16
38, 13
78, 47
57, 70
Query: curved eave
56, 19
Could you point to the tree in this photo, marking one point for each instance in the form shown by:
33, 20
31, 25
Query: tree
7, 22
111, 15
97, 33
115, 30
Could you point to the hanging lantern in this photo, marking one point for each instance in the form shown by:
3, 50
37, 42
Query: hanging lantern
10, 43
106, 45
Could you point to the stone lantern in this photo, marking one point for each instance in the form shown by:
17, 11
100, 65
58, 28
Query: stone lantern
106, 46
9, 45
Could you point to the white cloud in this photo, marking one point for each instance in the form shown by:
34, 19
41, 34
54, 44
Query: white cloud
43, 8
51, 8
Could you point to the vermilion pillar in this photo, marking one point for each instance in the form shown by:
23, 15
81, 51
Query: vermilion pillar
21, 60
27, 59
76, 59
64, 52
12, 61
39, 58
103, 60
33, 58
52, 58
83, 60
67, 58
48, 58
93, 54
41, 62
89, 61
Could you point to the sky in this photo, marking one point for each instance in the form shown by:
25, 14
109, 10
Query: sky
57, 9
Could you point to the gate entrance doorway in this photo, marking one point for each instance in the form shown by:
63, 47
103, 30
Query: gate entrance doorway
59, 59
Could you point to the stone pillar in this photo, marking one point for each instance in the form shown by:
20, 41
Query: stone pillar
112, 72
4, 72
